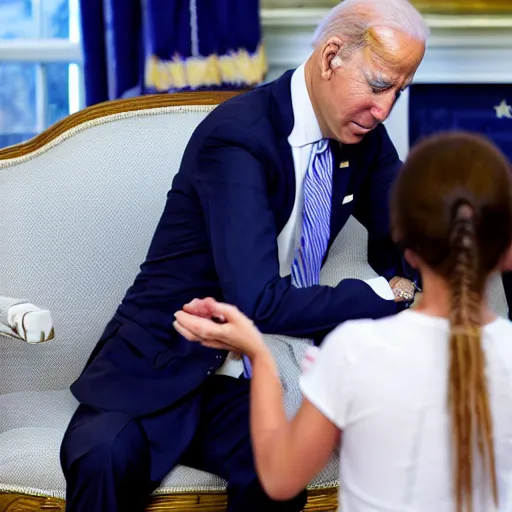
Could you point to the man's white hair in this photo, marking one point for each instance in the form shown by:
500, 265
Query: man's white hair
352, 20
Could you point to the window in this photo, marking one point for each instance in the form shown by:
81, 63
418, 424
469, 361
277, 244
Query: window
40, 75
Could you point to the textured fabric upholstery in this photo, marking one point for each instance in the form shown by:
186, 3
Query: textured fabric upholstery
78, 219
78, 216
5, 304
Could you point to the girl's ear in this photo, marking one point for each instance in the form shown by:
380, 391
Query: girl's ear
506, 261
411, 258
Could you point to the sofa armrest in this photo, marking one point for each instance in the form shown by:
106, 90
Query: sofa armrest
21, 319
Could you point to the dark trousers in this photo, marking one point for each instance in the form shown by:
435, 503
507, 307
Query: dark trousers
112, 462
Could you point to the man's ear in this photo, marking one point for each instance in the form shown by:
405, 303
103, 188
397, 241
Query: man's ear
411, 258
330, 57
506, 261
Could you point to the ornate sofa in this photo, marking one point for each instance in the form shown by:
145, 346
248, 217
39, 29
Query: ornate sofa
79, 204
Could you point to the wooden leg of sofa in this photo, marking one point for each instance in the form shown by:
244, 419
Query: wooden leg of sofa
319, 500
13, 502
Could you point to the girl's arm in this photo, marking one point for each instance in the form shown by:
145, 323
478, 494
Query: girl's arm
288, 454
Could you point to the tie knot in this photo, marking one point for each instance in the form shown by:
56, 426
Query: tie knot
322, 145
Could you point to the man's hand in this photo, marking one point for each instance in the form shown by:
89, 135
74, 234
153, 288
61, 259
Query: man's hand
220, 326
402, 289
204, 308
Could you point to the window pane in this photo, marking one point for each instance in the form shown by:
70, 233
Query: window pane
57, 80
18, 116
30, 19
55, 18
18, 19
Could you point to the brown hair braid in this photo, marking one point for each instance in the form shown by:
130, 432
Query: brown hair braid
452, 206
468, 398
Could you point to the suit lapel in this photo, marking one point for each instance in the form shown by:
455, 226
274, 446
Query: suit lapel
283, 120
342, 201
342, 175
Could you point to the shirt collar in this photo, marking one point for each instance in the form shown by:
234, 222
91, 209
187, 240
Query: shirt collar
306, 129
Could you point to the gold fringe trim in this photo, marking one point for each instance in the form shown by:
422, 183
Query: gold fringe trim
319, 500
239, 68
479, 7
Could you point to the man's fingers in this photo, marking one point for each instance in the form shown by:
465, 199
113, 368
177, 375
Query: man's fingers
231, 314
185, 332
210, 308
203, 328
197, 307
202, 307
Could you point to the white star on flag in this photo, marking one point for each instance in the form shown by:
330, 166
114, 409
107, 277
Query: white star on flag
503, 110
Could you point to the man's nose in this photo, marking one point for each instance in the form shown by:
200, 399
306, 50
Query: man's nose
383, 105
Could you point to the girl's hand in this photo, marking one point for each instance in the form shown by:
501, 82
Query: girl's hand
220, 326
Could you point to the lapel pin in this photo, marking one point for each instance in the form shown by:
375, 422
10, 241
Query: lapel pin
344, 165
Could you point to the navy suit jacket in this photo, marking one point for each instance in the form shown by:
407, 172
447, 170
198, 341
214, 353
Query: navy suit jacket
232, 196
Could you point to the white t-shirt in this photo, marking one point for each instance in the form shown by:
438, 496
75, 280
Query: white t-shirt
384, 383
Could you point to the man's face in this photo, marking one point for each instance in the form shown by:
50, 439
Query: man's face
361, 92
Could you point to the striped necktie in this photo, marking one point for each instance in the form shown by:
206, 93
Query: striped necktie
247, 367
316, 217
316, 222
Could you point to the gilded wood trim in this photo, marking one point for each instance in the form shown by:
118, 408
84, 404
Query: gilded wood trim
319, 500
273, 9
115, 107
464, 6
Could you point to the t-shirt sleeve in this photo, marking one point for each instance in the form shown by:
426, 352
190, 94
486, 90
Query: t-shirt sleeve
327, 385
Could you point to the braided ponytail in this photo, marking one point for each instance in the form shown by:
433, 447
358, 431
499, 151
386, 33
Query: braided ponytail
468, 396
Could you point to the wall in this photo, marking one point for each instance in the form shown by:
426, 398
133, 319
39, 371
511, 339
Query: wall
461, 49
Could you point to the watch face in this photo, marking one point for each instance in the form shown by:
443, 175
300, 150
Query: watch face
404, 289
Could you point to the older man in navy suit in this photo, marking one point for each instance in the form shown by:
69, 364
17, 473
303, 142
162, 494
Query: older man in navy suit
266, 183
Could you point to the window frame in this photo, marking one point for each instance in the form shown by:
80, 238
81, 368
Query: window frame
43, 51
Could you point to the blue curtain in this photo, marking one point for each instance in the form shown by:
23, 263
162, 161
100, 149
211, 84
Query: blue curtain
111, 39
136, 47
202, 44
482, 108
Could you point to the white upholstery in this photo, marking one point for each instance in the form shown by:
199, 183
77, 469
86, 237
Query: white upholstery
5, 304
77, 219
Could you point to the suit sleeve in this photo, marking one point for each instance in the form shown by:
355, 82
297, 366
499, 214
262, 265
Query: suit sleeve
507, 285
233, 188
373, 211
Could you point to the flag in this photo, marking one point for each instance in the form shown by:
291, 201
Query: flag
481, 108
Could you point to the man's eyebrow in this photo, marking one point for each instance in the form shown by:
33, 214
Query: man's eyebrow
378, 81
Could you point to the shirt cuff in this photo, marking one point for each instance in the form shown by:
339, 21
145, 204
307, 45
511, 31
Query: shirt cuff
381, 287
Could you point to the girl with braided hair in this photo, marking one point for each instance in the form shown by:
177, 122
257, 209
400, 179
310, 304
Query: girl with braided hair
423, 399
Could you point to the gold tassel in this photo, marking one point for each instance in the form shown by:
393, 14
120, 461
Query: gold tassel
238, 68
